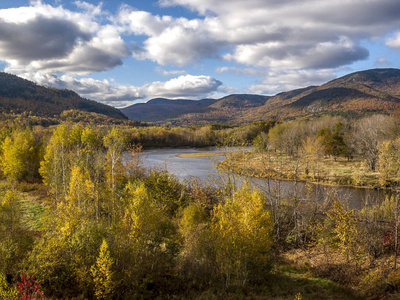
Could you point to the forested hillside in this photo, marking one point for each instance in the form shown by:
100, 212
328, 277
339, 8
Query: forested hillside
193, 112
354, 95
18, 96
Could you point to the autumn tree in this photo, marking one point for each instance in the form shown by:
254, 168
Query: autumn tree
344, 229
242, 231
115, 144
19, 155
368, 132
15, 242
55, 166
102, 273
389, 161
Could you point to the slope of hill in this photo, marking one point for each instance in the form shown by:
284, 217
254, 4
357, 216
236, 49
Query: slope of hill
18, 95
370, 91
356, 94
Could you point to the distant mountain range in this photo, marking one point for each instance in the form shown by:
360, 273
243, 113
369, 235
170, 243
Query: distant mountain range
356, 94
161, 110
18, 96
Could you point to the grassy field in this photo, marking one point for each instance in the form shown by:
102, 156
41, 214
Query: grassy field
277, 165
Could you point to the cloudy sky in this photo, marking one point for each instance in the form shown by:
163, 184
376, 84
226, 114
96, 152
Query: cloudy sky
120, 53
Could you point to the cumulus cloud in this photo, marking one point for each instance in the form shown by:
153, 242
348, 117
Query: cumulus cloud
286, 79
394, 42
295, 34
56, 40
177, 41
107, 92
184, 86
102, 91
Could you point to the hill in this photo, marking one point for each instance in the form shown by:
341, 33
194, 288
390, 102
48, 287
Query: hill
356, 94
18, 96
189, 112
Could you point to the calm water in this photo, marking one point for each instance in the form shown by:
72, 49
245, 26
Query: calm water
203, 169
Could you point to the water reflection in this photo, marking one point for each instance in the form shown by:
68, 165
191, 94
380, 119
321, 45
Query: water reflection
203, 169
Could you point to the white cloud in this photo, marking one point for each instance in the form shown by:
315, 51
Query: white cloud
56, 40
295, 34
285, 80
242, 71
382, 61
394, 42
187, 86
169, 72
176, 41
107, 92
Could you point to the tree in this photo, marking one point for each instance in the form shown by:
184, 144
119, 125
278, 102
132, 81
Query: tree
148, 241
242, 231
102, 273
344, 229
311, 152
333, 140
368, 132
114, 142
389, 161
56, 165
80, 194
19, 155
15, 243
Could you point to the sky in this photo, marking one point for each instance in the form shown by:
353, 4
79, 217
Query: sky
121, 53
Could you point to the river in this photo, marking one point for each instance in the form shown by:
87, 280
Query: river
203, 169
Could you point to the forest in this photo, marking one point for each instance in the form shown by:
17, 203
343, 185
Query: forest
81, 217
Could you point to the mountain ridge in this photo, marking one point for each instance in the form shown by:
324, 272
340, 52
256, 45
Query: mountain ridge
355, 94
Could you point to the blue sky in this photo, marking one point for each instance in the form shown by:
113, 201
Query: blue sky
120, 53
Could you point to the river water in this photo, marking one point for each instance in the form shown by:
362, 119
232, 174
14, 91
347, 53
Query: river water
203, 169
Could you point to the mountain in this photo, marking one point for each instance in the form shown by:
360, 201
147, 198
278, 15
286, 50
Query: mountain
161, 109
354, 95
189, 112
18, 95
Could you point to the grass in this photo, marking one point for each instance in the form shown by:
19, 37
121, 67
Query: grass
203, 154
277, 165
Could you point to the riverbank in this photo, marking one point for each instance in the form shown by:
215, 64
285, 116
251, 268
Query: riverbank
279, 166
205, 154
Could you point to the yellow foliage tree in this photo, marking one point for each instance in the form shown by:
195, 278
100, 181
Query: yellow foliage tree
344, 230
17, 152
55, 166
389, 161
102, 273
242, 228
